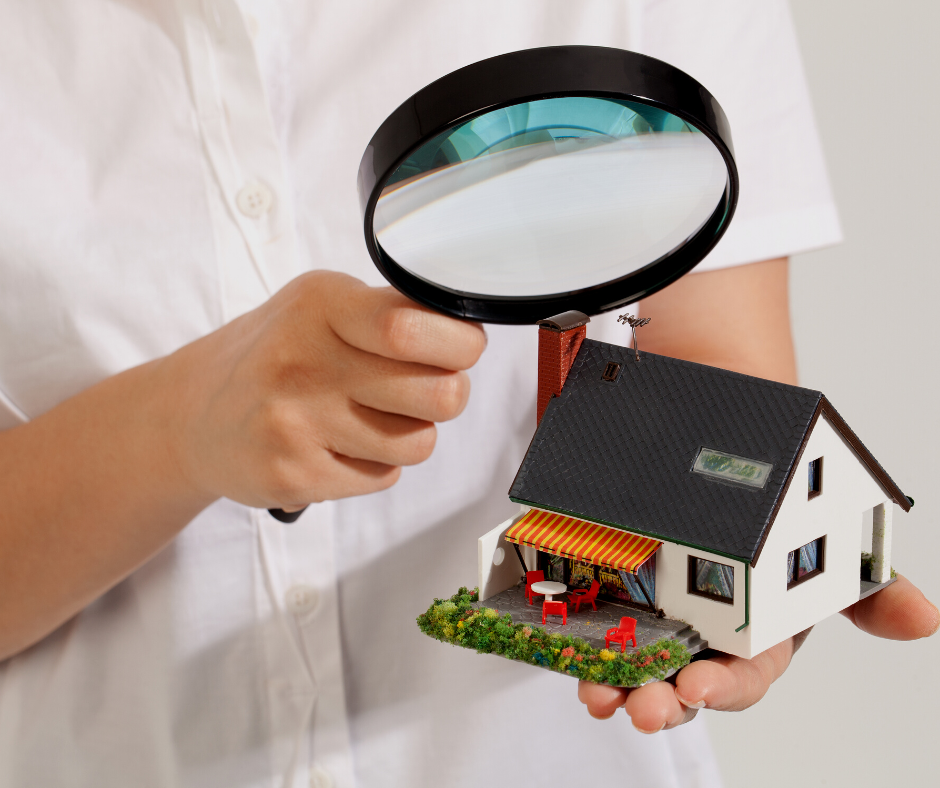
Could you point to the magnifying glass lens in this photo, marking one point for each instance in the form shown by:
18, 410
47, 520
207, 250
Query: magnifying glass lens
549, 196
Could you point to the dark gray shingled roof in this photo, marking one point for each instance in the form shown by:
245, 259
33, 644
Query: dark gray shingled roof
621, 453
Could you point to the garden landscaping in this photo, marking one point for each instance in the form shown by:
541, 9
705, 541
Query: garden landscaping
459, 622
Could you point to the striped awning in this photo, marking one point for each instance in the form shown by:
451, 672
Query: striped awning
572, 538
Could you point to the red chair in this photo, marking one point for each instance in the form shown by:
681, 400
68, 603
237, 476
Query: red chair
579, 595
626, 631
555, 609
536, 576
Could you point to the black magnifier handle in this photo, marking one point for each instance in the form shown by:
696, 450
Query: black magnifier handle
286, 517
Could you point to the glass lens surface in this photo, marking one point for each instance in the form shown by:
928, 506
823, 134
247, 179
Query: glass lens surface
549, 197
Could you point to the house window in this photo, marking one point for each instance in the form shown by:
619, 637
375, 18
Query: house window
611, 371
815, 477
711, 579
806, 562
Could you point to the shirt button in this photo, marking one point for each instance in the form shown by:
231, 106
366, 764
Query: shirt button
302, 599
254, 200
320, 778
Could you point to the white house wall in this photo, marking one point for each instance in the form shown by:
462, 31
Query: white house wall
848, 489
715, 621
497, 561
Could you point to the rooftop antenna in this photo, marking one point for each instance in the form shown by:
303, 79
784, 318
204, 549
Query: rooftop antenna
634, 323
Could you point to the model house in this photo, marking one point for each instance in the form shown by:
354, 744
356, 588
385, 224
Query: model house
729, 502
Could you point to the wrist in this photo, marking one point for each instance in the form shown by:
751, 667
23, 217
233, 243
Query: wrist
170, 416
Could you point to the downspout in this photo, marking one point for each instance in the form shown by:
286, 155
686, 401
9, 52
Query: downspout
747, 597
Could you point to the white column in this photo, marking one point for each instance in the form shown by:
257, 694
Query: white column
881, 542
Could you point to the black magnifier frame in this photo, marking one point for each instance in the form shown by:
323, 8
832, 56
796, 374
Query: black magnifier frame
531, 75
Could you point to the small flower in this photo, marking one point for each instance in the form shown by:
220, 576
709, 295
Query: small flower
460, 624
664, 654
527, 631
647, 661
579, 658
606, 655
568, 652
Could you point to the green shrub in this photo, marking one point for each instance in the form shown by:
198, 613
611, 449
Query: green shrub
867, 560
457, 621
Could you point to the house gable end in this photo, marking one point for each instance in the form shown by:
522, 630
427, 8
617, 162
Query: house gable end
864, 456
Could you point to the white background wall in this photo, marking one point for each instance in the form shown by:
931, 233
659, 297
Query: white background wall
853, 710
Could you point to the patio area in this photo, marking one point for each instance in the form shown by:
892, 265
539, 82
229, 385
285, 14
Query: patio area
592, 625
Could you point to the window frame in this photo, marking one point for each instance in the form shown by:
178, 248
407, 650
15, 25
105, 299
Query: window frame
820, 562
693, 572
818, 462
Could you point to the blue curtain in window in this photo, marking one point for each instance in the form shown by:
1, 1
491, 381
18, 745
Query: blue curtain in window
803, 561
713, 578
809, 557
647, 575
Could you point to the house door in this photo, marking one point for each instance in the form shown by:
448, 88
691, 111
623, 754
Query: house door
616, 585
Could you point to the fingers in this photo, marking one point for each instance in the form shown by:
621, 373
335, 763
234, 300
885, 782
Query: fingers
898, 612
336, 477
727, 683
724, 683
407, 389
654, 707
601, 700
333, 386
365, 434
386, 323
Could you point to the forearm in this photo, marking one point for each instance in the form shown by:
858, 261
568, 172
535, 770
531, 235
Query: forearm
736, 318
323, 392
90, 491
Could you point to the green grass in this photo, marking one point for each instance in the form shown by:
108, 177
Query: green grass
457, 621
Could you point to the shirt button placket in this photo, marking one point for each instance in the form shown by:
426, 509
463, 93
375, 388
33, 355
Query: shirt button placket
254, 200
320, 778
301, 600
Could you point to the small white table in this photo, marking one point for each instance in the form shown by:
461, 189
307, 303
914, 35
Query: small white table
549, 588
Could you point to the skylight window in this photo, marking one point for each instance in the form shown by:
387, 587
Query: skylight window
611, 371
721, 466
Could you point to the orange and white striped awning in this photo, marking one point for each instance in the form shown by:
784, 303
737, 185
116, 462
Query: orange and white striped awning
572, 538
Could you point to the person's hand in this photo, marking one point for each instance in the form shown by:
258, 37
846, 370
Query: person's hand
726, 683
323, 392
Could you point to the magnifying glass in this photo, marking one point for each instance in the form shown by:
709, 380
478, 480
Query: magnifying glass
547, 180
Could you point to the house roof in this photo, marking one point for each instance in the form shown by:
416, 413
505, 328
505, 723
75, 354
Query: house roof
621, 453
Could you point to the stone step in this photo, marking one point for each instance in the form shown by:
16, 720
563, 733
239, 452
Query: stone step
692, 640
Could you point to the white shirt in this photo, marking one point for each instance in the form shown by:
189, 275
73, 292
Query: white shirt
168, 167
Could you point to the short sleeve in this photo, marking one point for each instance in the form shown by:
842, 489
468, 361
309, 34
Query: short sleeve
746, 55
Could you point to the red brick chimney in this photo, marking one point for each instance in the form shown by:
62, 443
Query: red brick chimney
560, 338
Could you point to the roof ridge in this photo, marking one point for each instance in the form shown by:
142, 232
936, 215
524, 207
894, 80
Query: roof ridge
718, 370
